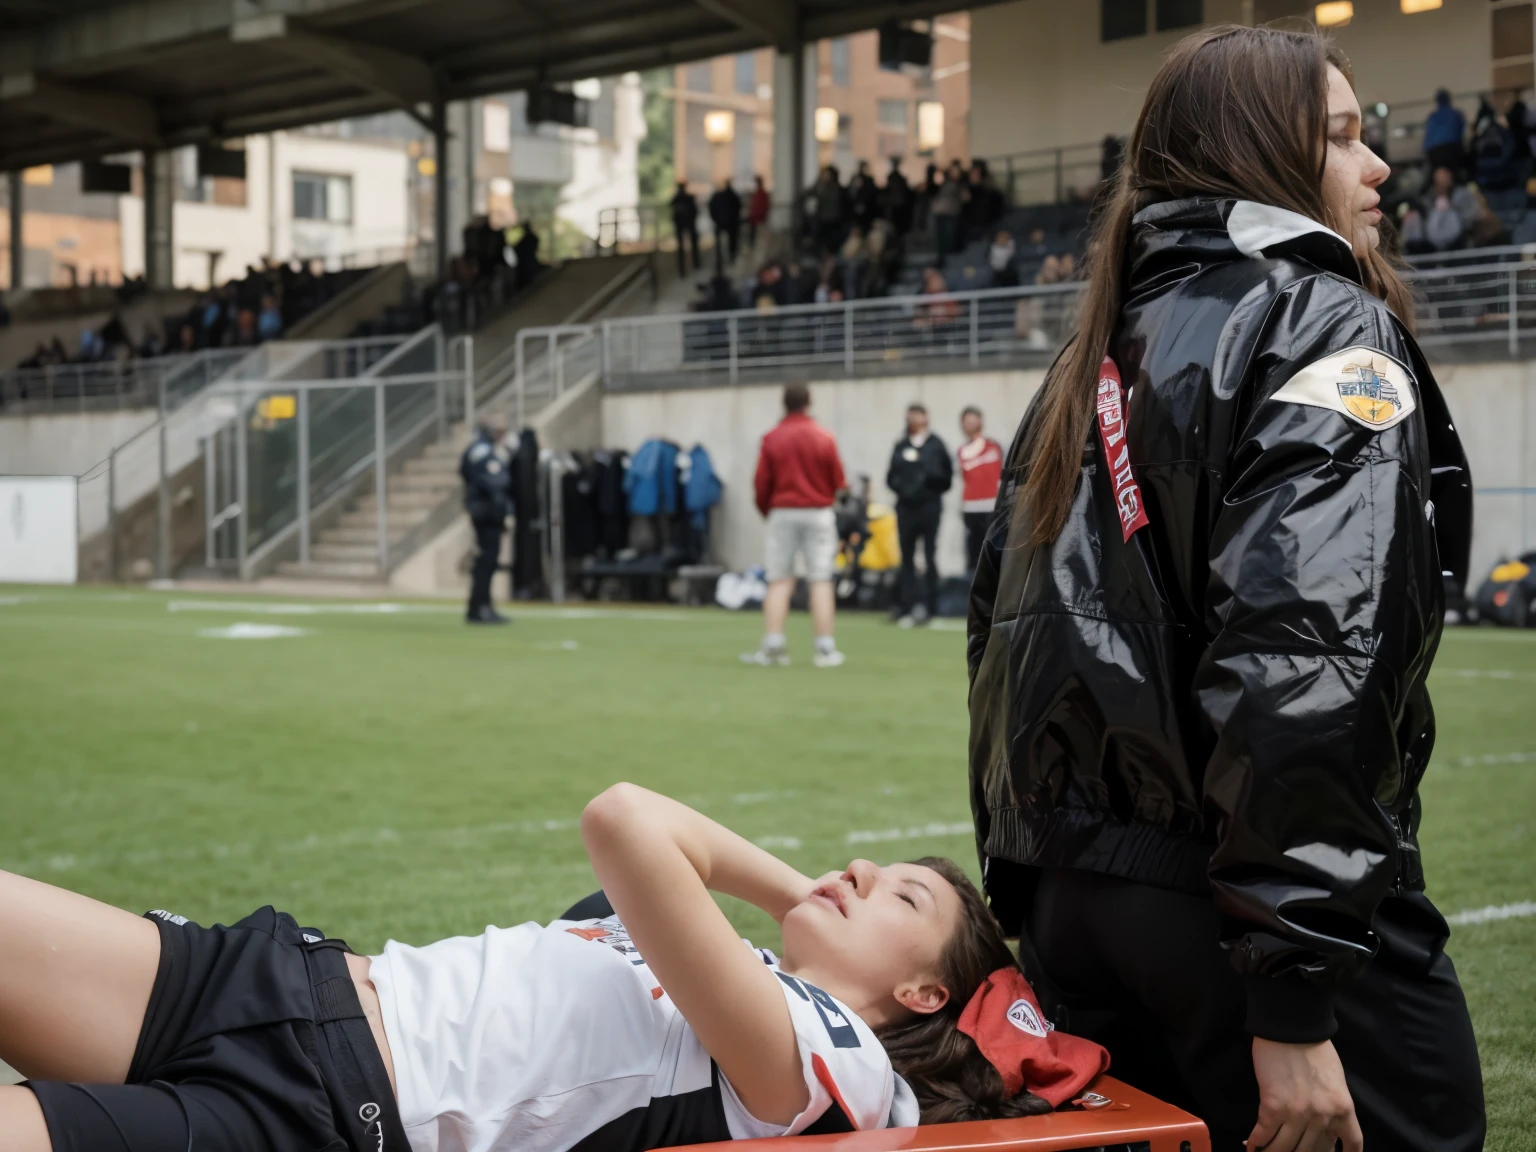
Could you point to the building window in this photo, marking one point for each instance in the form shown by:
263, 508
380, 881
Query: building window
891, 118
697, 77
746, 73
320, 197
744, 151
1179, 14
1120, 19
841, 62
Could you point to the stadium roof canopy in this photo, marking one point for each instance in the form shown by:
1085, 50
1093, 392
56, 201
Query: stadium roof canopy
86, 78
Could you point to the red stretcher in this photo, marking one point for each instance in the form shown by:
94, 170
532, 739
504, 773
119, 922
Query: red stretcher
1129, 1117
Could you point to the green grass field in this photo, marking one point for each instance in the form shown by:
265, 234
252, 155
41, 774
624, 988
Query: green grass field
395, 774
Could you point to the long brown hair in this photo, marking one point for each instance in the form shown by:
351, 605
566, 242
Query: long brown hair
1234, 112
946, 1071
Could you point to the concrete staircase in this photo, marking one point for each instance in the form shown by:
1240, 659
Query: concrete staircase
422, 492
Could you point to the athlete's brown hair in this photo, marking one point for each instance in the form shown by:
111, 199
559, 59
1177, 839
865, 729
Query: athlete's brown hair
947, 1072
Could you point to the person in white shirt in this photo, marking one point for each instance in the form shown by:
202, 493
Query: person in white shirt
650, 1027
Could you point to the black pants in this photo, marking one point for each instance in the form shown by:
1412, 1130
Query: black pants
686, 234
488, 541
1143, 974
918, 524
976, 525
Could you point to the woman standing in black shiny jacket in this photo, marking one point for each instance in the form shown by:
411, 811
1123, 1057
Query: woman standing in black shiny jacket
1202, 623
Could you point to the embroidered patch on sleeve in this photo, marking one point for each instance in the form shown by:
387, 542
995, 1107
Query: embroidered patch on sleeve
1367, 386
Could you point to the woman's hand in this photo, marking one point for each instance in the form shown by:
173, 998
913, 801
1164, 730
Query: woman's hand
1304, 1102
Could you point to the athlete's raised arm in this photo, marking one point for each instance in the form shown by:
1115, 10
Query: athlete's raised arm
657, 861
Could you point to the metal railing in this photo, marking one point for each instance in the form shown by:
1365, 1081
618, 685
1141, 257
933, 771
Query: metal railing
113, 384
880, 336
1492, 304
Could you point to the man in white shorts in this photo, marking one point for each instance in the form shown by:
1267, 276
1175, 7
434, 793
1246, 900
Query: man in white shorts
798, 478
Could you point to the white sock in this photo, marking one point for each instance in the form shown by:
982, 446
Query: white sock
825, 644
773, 641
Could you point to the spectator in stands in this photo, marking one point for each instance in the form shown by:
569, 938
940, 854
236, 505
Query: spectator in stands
526, 253
981, 472
187, 338
919, 475
831, 210
1445, 132
922, 202
1036, 250
946, 206
898, 199
685, 226
831, 288
799, 478
984, 202
941, 309
863, 198
1001, 257
769, 290
1487, 230
245, 328
269, 325
854, 258
1495, 165
1518, 115
725, 214
882, 249
759, 204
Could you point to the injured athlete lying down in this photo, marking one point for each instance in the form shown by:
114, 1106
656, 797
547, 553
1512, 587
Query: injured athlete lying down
896, 1000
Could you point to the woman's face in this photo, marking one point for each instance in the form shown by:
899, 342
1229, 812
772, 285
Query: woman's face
874, 937
1352, 172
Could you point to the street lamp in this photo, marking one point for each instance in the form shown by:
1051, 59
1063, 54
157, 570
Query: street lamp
826, 125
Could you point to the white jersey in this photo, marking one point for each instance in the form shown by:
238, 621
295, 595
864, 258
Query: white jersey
537, 1039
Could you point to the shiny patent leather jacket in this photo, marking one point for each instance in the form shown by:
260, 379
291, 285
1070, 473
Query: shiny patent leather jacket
1232, 702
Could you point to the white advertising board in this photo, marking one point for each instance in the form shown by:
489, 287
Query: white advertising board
38, 531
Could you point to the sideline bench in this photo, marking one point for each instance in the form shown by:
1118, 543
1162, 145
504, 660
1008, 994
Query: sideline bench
1130, 1117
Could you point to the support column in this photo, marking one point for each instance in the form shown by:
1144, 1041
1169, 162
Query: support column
794, 154
159, 205
440, 187
18, 247
460, 170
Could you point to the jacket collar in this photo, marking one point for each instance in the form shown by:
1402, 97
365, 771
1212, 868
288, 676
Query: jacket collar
1176, 233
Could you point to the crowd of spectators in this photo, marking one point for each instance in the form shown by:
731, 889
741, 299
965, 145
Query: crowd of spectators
259, 306
1475, 190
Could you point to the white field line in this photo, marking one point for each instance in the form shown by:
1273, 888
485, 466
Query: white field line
917, 832
390, 608
1496, 758
1486, 673
1494, 912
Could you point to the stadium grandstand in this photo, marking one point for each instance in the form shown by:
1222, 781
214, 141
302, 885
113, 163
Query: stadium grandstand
291, 285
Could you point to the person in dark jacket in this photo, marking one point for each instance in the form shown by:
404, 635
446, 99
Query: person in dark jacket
725, 213
920, 474
685, 226
488, 499
1202, 623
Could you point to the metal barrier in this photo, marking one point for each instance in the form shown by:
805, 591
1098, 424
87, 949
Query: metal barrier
879, 336
161, 381
1490, 303
287, 452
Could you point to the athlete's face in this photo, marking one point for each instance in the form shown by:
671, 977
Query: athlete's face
1352, 172
875, 936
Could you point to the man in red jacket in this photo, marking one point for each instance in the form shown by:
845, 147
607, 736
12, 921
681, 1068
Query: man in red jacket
981, 471
798, 478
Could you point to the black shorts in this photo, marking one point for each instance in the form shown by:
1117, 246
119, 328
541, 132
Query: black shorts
254, 1040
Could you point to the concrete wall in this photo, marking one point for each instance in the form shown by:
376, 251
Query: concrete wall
867, 417
1494, 406
1040, 78
65, 445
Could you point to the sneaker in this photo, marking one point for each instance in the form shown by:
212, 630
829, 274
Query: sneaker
832, 659
907, 621
766, 657
920, 615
